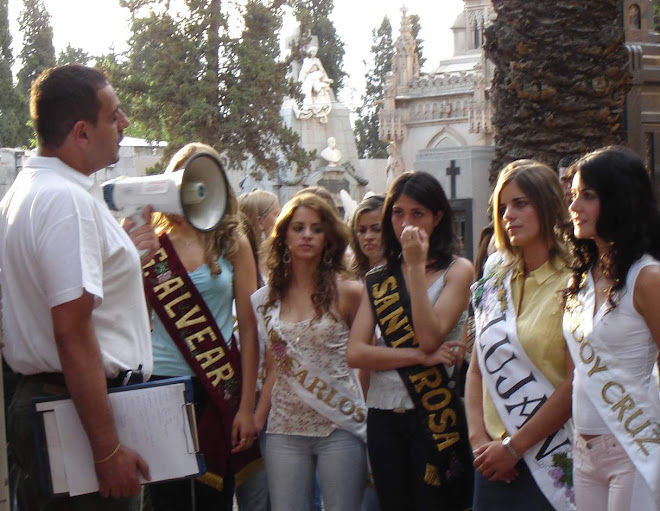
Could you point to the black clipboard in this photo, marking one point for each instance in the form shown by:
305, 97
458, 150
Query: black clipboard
49, 449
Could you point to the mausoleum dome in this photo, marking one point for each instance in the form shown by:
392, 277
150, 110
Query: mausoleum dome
460, 22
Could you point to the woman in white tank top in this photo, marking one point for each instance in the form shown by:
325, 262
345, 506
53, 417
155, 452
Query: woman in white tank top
612, 327
419, 246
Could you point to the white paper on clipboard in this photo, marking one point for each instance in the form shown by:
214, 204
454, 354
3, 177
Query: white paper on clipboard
153, 421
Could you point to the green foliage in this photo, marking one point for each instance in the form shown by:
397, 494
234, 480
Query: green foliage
656, 15
37, 54
12, 123
366, 125
314, 19
186, 79
72, 55
256, 82
415, 28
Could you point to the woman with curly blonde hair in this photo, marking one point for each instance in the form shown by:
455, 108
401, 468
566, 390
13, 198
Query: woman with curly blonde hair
316, 417
214, 268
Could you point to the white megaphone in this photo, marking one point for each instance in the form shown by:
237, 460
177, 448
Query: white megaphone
199, 192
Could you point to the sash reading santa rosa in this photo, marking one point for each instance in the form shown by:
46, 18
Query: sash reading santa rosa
517, 387
337, 402
438, 408
626, 405
193, 329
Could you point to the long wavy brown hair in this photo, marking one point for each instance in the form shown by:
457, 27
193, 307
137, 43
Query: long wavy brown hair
222, 241
331, 265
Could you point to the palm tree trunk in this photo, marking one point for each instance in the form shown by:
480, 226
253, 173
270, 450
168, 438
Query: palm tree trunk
561, 78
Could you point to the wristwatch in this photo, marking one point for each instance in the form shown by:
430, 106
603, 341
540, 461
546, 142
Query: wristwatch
506, 443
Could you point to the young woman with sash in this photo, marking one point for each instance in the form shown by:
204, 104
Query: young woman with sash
417, 436
367, 248
518, 389
612, 327
191, 284
317, 415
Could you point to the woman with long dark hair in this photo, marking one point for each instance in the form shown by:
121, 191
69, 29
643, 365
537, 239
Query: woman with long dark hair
316, 419
417, 440
518, 387
612, 327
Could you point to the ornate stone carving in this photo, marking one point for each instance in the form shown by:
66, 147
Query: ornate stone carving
315, 85
395, 166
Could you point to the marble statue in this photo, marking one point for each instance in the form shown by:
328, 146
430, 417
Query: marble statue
315, 85
395, 166
331, 154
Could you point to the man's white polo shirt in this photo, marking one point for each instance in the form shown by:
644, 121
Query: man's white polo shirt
57, 237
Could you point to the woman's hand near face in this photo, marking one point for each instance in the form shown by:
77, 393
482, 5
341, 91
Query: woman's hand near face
414, 246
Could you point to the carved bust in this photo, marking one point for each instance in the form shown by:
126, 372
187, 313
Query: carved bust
331, 154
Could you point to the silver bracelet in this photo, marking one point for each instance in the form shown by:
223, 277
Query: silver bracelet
506, 443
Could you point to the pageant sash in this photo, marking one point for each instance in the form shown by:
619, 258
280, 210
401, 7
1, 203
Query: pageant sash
517, 387
438, 406
194, 331
630, 411
337, 402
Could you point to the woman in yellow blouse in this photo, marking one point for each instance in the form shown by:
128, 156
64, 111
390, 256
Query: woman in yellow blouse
518, 392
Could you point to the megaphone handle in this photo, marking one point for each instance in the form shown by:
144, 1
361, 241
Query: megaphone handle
139, 221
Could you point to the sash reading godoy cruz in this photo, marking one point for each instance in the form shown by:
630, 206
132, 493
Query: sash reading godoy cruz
437, 406
518, 388
194, 331
628, 406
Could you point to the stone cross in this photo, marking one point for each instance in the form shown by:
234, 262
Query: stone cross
453, 171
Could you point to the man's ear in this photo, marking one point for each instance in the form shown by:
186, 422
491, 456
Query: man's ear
79, 132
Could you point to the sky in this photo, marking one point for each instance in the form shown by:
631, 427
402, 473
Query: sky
98, 25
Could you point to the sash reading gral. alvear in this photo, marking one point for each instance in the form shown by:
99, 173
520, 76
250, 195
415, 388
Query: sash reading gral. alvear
438, 407
194, 331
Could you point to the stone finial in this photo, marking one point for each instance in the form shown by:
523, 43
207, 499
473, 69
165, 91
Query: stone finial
406, 28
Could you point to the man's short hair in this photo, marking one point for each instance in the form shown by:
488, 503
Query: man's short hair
62, 96
567, 161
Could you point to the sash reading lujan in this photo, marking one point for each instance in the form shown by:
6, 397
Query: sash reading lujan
518, 388
439, 409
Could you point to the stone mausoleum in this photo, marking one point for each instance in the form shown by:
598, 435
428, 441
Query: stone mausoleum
440, 121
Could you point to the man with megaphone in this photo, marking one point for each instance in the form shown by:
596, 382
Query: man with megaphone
74, 312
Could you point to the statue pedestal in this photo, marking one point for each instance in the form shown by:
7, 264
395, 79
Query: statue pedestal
335, 179
314, 135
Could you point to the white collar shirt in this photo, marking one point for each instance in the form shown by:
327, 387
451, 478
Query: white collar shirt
58, 238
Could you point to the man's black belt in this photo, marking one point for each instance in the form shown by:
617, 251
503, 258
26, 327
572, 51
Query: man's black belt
57, 379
